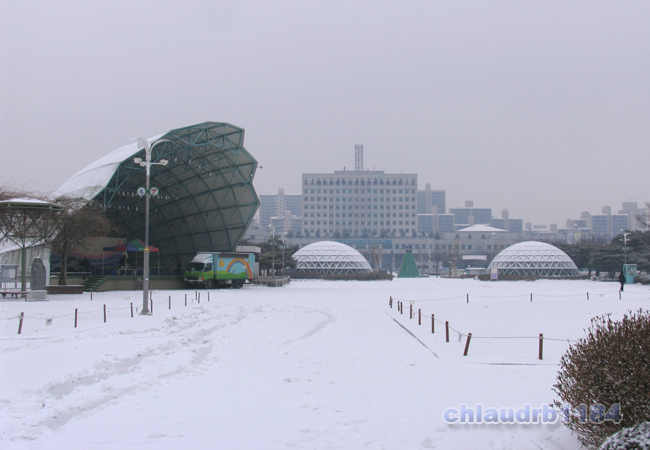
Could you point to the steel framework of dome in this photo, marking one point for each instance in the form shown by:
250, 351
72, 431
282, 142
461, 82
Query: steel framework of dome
330, 257
206, 197
534, 258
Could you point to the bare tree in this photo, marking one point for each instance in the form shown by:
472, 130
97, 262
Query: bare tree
27, 220
644, 219
375, 256
79, 221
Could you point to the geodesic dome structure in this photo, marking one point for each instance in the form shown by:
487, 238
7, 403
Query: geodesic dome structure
206, 197
330, 257
534, 258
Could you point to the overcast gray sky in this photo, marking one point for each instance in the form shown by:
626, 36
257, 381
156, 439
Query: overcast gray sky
540, 107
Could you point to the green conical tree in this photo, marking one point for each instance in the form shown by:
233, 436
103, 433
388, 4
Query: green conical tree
408, 269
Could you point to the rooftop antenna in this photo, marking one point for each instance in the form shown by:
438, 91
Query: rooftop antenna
358, 157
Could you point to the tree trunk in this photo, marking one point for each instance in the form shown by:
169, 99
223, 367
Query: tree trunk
64, 266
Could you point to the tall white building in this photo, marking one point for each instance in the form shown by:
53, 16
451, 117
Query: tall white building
359, 203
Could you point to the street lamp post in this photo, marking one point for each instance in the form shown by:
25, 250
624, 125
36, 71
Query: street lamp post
625, 246
144, 144
273, 227
283, 245
429, 256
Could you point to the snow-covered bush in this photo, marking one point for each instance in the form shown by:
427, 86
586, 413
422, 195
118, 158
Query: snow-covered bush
634, 438
610, 366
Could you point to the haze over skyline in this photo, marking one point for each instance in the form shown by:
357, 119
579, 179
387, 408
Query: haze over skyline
539, 108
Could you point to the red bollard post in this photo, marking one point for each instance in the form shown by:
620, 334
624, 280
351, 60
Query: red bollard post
447, 330
469, 338
541, 345
20, 322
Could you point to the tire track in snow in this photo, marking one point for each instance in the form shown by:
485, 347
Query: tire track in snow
184, 350
319, 327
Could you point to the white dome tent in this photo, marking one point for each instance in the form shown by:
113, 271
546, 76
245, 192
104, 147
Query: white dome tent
534, 258
329, 257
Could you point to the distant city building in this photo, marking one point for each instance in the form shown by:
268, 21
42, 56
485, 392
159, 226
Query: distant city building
620, 222
576, 223
609, 225
431, 202
446, 223
275, 205
427, 224
602, 226
359, 203
371, 208
632, 210
508, 224
469, 215
431, 253
431, 224
289, 223
256, 233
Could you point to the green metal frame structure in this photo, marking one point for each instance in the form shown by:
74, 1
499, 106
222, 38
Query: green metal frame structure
206, 198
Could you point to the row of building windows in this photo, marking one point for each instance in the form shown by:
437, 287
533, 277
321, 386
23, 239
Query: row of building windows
356, 222
332, 231
356, 199
362, 215
443, 246
358, 207
360, 182
359, 191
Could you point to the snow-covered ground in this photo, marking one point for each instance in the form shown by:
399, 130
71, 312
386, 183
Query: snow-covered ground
312, 365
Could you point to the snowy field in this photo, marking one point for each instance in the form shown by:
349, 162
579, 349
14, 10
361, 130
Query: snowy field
312, 365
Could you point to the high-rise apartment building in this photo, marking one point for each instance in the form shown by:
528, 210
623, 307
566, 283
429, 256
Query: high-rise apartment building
632, 210
508, 224
275, 205
431, 202
608, 225
469, 215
